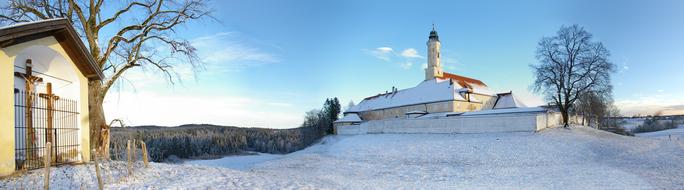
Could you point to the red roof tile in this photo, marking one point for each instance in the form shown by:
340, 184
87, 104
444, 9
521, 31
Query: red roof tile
461, 79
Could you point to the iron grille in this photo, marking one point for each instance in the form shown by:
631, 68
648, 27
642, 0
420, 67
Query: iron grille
32, 134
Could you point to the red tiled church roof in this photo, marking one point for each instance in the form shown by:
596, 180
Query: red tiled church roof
461, 79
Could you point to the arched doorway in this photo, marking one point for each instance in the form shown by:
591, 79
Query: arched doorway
46, 107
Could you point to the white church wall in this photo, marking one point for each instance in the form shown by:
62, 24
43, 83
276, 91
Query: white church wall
513, 122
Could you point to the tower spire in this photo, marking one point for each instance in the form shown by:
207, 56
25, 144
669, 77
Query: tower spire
434, 68
433, 33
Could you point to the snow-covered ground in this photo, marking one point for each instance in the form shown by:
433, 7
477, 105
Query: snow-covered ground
576, 158
242, 162
669, 134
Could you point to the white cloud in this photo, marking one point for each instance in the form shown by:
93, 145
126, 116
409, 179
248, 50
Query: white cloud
410, 53
229, 52
405, 59
384, 49
383, 53
219, 54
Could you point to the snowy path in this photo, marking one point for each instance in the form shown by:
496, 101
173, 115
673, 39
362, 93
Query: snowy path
577, 158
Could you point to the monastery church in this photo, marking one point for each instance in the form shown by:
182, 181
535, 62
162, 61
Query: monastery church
440, 99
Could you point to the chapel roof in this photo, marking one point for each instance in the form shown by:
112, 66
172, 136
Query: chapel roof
62, 30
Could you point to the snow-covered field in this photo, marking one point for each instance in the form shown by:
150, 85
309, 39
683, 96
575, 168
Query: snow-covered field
242, 162
669, 134
576, 158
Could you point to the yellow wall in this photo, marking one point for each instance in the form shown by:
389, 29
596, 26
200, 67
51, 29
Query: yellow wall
7, 59
6, 114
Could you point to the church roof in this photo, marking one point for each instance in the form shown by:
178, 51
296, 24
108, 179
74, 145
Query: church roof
61, 30
461, 79
507, 100
435, 90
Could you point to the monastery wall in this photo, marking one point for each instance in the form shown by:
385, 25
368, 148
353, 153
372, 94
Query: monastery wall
493, 123
437, 107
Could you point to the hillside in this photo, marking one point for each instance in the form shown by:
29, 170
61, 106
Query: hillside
207, 141
576, 158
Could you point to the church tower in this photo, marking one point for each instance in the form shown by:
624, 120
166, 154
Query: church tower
434, 69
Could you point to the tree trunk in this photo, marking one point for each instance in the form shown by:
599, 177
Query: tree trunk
564, 113
96, 113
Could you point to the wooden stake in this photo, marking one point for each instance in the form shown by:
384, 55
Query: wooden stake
105, 150
144, 152
48, 156
128, 153
135, 155
97, 170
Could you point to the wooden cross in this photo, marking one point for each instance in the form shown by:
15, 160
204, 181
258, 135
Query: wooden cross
30, 85
51, 98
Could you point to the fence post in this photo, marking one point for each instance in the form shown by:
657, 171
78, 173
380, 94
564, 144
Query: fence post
134, 151
128, 153
47, 158
144, 152
97, 170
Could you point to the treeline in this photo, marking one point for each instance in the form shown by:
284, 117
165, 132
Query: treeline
655, 124
205, 140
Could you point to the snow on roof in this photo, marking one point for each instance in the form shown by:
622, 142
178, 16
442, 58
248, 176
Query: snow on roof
508, 100
481, 90
485, 112
509, 110
352, 117
441, 114
415, 112
30, 22
434, 90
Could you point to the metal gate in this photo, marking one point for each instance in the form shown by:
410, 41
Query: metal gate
39, 118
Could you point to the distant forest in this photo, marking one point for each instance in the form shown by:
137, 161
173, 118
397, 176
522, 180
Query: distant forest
204, 140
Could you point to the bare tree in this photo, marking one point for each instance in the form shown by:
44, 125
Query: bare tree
570, 65
141, 28
594, 107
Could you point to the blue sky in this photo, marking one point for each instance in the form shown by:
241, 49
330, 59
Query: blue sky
268, 62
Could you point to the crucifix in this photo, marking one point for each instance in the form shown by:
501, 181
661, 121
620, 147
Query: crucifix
51, 98
30, 85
